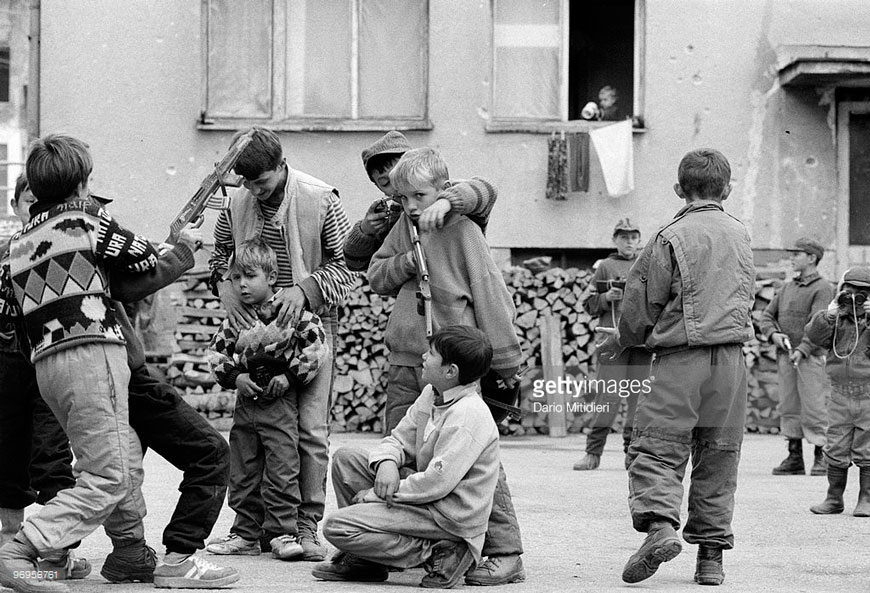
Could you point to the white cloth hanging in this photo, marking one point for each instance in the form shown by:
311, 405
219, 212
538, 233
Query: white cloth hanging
615, 150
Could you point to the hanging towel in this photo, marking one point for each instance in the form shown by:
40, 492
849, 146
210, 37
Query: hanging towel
557, 167
615, 151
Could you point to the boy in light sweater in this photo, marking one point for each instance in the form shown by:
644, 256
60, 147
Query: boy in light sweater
426, 491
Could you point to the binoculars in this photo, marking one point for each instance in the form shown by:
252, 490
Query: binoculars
847, 300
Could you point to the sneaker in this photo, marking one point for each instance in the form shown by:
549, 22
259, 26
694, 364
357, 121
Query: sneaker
130, 564
67, 567
236, 545
708, 566
312, 549
285, 547
347, 567
193, 573
661, 545
447, 565
497, 570
589, 462
18, 570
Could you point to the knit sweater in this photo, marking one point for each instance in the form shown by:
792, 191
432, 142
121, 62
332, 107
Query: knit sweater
454, 451
474, 198
57, 275
467, 289
299, 351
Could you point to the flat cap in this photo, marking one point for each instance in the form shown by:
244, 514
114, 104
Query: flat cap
808, 245
392, 142
857, 276
626, 225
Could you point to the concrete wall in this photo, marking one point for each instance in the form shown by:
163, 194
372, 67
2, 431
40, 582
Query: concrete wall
126, 76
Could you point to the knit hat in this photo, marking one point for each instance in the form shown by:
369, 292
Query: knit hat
857, 276
810, 246
392, 142
625, 225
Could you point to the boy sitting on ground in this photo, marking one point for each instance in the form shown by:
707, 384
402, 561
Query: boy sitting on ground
446, 447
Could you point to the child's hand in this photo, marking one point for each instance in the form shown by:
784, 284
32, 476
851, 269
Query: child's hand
290, 303
614, 294
866, 307
367, 495
247, 387
796, 357
278, 386
387, 480
240, 315
433, 217
376, 218
833, 309
778, 339
191, 234
609, 348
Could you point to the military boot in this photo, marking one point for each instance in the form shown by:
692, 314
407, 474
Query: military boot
793, 465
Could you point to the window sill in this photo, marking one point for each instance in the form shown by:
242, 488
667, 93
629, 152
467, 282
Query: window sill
548, 127
316, 125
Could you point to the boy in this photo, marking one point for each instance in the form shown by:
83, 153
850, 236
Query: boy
688, 299
843, 330
603, 302
802, 390
467, 288
55, 281
425, 492
608, 110
268, 363
303, 221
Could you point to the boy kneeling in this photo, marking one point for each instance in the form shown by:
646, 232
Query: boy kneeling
426, 491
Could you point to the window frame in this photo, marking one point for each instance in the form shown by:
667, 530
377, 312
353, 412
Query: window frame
279, 79
531, 125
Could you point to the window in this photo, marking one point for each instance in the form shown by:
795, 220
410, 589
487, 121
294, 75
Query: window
4, 74
551, 57
303, 64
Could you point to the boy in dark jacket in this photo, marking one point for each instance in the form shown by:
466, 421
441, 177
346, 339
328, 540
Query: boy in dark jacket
688, 299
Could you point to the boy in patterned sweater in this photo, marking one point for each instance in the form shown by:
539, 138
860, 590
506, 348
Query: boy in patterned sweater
267, 363
56, 282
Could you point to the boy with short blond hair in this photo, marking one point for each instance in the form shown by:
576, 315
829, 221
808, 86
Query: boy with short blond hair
688, 299
468, 289
424, 494
267, 364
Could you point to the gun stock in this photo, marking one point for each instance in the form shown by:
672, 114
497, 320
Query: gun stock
424, 293
215, 180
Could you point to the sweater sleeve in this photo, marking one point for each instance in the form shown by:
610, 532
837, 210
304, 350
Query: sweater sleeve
125, 250
473, 197
221, 356
768, 325
393, 264
401, 444
129, 288
819, 332
310, 350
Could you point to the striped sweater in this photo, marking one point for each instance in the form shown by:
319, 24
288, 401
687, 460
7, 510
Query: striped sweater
56, 276
467, 289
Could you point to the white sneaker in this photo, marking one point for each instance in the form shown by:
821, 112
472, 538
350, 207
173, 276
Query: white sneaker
193, 573
286, 547
234, 544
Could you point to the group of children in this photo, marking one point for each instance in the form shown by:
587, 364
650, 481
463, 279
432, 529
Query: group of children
433, 493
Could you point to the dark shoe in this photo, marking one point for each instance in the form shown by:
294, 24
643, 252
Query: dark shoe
708, 566
863, 507
129, 564
589, 462
793, 465
66, 567
497, 570
833, 503
820, 466
193, 572
447, 565
18, 570
661, 545
312, 549
347, 567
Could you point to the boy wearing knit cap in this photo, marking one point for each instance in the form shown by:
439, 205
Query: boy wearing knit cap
803, 387
843, 331
604, 302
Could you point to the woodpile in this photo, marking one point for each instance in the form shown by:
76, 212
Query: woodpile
361, 354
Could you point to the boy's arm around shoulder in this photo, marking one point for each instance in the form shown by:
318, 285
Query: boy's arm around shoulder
473, 197
393, 264
458, 448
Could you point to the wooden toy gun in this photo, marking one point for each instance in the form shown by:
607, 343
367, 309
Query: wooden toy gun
204, 196
424, 293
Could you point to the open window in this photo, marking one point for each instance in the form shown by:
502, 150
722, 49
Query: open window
309, 64
550, 59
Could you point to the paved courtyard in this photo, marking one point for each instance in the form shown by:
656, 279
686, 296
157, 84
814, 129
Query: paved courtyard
577, 532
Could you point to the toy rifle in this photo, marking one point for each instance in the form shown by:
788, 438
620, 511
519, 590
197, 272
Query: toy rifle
424, 293
204, 196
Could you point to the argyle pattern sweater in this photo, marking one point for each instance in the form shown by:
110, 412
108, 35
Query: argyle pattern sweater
300, 350
55, 276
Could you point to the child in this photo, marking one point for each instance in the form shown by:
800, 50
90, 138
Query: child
688, 299
608, 110
426, 491
468, 289
803, 390
267, 363
603, 302
55, 282
843, 330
